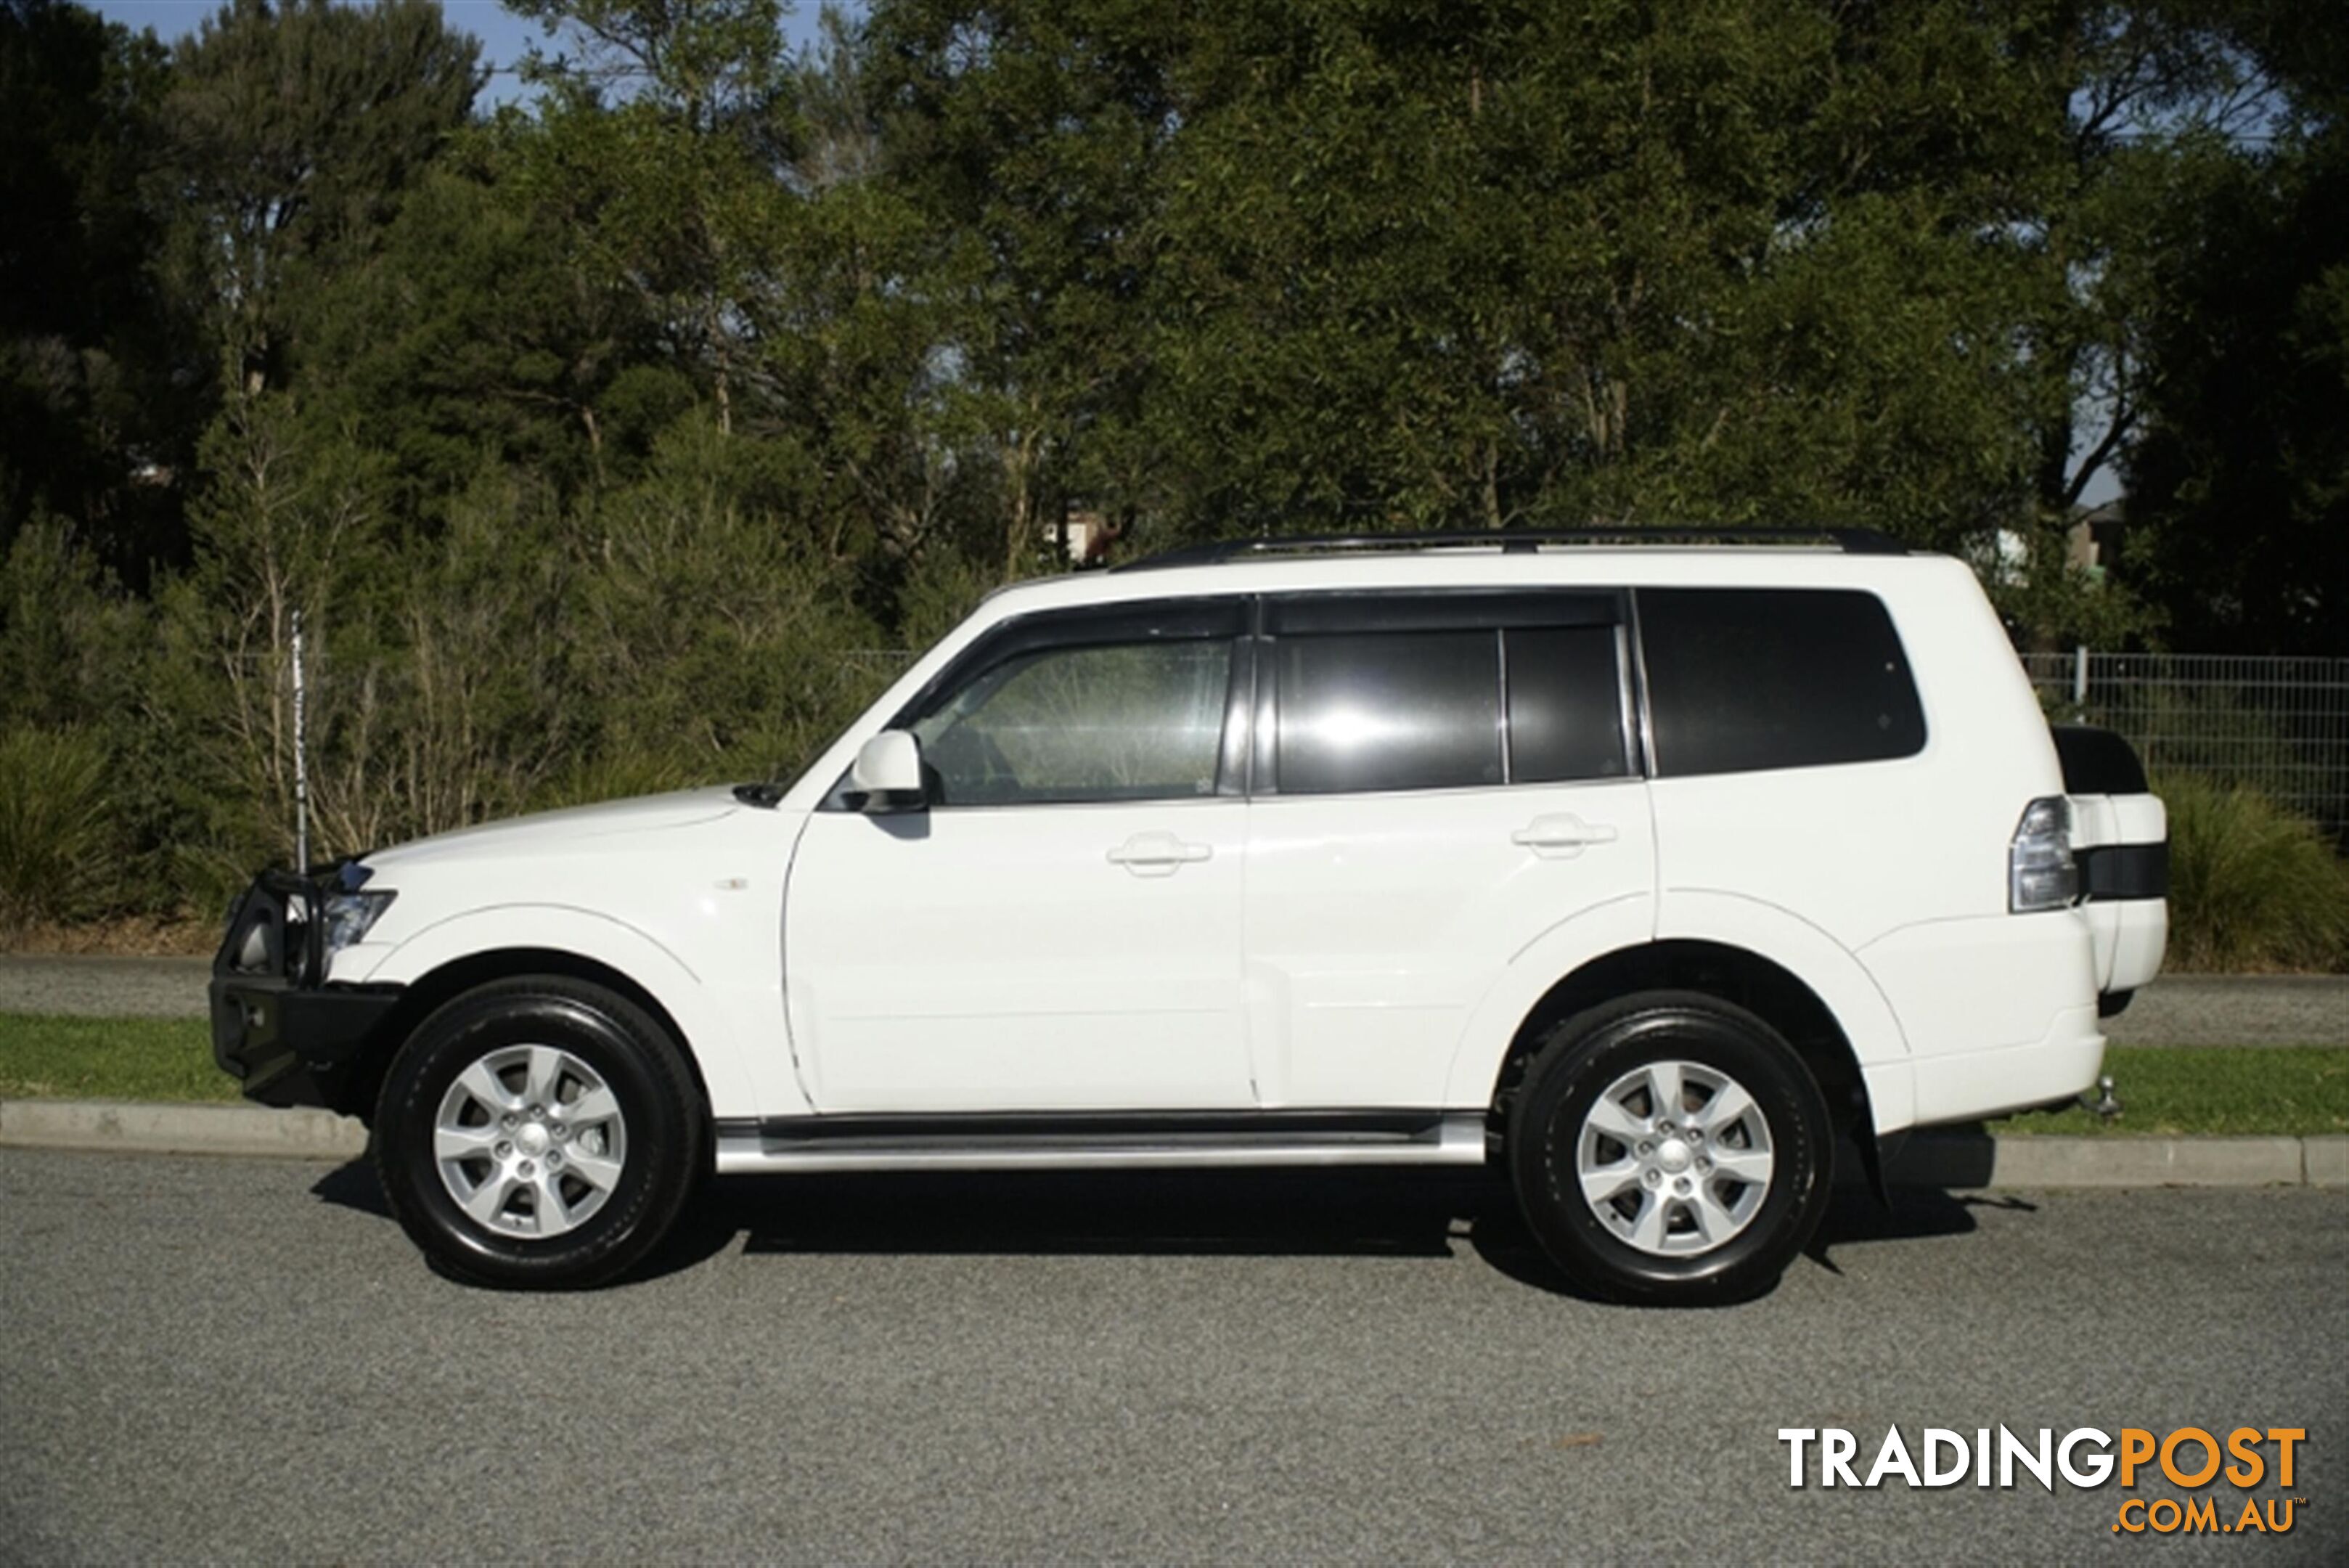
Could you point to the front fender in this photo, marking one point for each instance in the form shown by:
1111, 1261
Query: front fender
709, 1035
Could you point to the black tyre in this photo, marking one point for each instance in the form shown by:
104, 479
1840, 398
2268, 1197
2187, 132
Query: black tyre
1670, 1148
539, 1132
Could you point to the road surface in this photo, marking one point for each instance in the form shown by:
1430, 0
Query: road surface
244, 1360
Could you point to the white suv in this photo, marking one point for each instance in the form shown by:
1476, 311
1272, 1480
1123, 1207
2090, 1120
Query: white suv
1642, 873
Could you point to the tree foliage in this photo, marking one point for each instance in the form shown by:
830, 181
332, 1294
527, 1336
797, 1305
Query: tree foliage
294, 132
94, 405
593, 434
2241, 482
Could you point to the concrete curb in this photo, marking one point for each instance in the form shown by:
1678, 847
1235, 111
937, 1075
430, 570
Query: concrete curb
2326, 1160
1960, 1161
132, 1126
1957, 1160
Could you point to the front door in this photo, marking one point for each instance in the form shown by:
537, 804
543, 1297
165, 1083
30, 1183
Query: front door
1058, 928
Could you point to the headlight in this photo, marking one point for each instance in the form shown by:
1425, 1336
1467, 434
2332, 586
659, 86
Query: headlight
350, 916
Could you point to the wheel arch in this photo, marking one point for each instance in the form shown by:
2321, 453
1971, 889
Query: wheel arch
452, 978
1768, 990
1722, 944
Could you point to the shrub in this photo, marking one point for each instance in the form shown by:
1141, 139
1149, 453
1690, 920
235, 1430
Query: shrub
2252, 886
615, 777
57, 827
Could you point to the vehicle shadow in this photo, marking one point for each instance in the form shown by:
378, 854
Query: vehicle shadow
1274, 1213
353, 1185
1427, 1214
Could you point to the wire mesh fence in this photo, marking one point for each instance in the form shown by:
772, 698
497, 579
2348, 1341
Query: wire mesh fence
2276, 724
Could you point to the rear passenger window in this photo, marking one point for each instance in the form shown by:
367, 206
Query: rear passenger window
1388, 711
1566, 713
1745, 679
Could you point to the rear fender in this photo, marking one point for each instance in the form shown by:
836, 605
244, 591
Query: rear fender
1802, 951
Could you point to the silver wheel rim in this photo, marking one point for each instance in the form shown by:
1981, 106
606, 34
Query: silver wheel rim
1674, 1159
529, 1141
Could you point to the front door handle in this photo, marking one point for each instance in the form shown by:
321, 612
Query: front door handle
1562, 836
1158, 854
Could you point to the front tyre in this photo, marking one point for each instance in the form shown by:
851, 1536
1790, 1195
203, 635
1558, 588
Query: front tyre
1670, 1148
540, 1132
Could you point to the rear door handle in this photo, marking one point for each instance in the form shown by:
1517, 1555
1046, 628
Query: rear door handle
1158, 854
1562, 836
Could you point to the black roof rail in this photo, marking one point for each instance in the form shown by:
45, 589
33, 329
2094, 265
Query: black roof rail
1851, 540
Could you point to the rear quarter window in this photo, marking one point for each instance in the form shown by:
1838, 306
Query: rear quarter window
1740, 680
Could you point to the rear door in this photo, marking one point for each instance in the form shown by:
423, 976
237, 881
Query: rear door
1439, 779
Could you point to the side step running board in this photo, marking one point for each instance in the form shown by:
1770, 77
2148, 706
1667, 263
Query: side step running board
1043, 1141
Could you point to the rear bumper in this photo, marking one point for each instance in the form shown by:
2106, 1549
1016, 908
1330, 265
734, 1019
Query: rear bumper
1999, 1010
1967, 1086
278, 1028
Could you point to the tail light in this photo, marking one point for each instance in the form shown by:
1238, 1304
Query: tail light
2040, 871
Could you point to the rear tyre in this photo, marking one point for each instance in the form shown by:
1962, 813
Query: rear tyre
539, 1133
1670, 1148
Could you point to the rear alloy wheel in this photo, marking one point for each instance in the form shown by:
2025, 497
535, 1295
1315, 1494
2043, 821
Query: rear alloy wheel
1674, 1157
539, 1132
1670, 1148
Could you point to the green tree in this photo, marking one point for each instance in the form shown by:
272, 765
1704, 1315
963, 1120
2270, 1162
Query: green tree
706, 633
2238, 504
473, 333
296, 131
855, 360
686, 158
1366, 265
290, 521
96, 418
1029, 137
662, 145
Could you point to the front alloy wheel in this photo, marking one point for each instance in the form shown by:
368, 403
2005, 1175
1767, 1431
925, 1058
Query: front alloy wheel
529, 1141
539, 1132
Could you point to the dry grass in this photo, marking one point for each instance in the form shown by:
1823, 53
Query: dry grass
125, 936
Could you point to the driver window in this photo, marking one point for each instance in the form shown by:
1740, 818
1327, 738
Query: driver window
1106, 722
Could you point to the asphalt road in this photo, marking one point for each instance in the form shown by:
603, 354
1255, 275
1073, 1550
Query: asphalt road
2176, 1010
218, 1359
103, 985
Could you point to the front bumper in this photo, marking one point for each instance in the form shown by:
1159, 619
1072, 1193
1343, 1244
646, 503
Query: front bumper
289, 1035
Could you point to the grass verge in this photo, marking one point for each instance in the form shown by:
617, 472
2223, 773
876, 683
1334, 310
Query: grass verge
108, 1059
2295, 1090
2289, 1090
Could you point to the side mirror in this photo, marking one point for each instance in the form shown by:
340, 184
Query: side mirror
887, 773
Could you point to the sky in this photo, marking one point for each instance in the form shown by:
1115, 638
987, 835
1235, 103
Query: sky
503, 36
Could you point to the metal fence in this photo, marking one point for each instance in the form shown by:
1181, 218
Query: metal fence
2278, 725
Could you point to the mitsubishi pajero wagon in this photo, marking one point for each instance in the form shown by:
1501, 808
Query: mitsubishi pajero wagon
1642, 873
